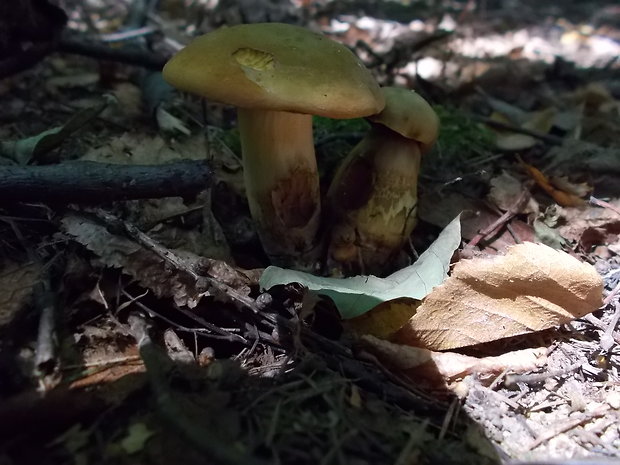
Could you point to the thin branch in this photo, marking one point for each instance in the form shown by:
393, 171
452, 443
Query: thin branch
100, 51
91, 182
603, 204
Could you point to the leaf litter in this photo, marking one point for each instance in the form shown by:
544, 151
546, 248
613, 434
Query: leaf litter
292, 394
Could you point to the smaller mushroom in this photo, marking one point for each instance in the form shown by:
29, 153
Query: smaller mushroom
373, 198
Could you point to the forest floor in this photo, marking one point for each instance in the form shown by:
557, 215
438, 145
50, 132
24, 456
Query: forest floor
134, 324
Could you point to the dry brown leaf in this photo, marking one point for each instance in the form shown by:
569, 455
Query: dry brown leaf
442, 368
531, 288
476, 217
578, 219
150, 270
140, 149
506, 191
565, 199
580, 189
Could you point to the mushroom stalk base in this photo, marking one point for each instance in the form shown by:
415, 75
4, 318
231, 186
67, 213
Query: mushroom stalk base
373, 202
282, 184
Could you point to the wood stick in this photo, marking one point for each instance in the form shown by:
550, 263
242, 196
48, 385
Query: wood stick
91, 182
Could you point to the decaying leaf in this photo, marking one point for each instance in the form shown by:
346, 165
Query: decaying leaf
476, 216
170, 123
531, 288
514, 142
144, 149
145, 266
565, 199
506, 191
576, 221
443, 368
386, 318
355, 296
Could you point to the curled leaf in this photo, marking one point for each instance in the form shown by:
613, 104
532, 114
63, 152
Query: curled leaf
531, 288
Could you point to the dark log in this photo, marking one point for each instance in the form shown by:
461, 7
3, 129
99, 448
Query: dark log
91, 182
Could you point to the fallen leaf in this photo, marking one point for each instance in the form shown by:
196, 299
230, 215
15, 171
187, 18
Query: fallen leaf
506, 191
355, 296
565, 199
476, 216
531, 288
150, 270
577, 220
135, 148
442, 368
386, 318
540, 121
514, 142
581, 189
547, 235
170, 123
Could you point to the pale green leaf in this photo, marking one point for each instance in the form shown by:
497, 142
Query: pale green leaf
357, 295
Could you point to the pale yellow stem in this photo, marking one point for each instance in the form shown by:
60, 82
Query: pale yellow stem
282, 184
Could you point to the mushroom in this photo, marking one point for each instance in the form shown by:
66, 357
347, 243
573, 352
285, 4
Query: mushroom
372, 200
278, 76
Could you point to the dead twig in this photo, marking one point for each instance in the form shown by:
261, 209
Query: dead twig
514, 379
514, 209
607, 339
91, 182
215, 332
567, 426
128, 34
602, 203
607, 300
100, 51
46, 360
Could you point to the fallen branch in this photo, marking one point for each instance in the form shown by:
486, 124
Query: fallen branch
100, 51
91, 182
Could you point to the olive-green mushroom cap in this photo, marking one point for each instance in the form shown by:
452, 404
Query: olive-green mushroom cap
278, 67
408, 114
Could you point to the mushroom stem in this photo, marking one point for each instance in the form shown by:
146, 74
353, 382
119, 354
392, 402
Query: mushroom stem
373, 201
282, 184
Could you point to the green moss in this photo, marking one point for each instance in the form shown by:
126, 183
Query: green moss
461, 137
324, 127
